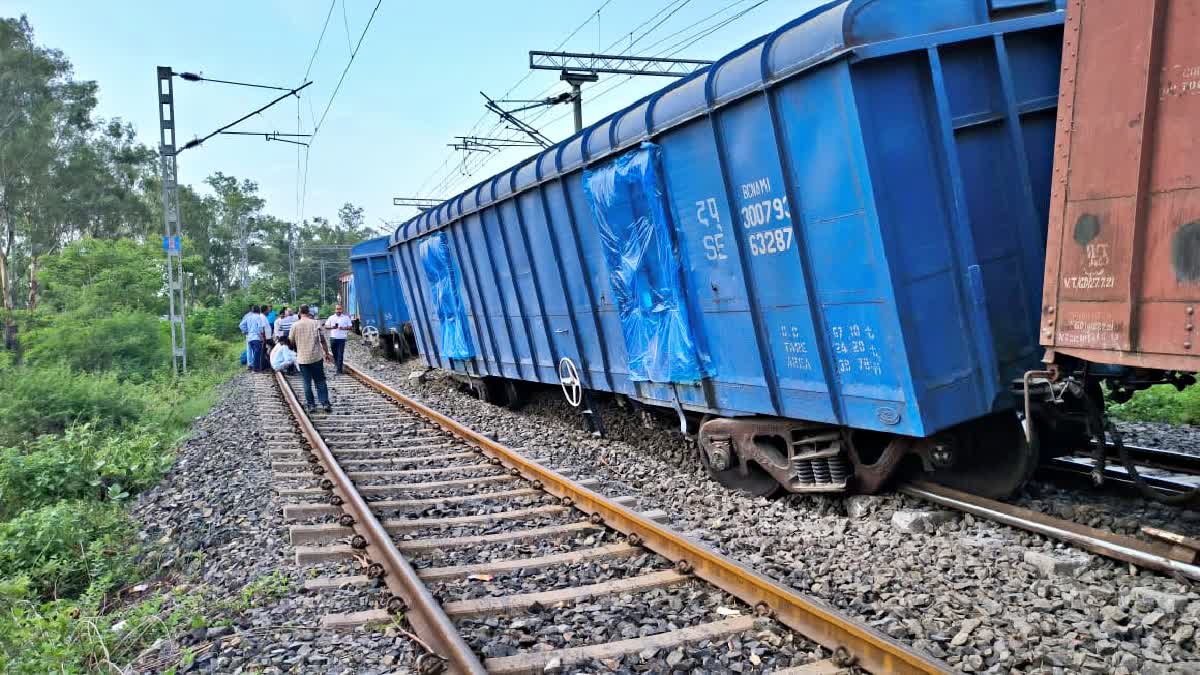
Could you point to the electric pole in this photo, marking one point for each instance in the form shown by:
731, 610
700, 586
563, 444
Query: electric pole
575, 69
576, 80
292, 261
244, 251
172, 229
322, 282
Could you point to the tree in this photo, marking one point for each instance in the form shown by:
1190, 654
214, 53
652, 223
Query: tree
31, 98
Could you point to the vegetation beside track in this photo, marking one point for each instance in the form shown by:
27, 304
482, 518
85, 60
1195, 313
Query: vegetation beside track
1161, 403
91, 417
90, 413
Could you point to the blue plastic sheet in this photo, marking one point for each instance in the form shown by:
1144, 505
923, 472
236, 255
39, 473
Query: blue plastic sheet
629, 206
443, 291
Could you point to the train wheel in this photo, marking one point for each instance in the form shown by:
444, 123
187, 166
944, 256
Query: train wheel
738, 475
989, 458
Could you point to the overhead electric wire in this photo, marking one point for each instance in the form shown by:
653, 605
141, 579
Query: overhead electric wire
345, 70
464, 169
317, 124
195, 77
320, 39
197, 141
592, 15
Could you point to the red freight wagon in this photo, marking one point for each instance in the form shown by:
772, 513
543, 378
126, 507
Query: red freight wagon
1123, 258
1122, 282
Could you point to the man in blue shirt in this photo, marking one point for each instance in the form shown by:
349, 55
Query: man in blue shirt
254, 326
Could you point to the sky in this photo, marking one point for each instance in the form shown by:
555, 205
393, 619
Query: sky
413, 86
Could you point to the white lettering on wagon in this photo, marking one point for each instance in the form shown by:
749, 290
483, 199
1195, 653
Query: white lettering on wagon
1180, 81
1095, 273
1090, 331
854, 346
761, 209
708, 215
795, 348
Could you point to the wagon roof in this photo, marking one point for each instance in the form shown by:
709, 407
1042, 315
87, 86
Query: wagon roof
829, 31
370, 248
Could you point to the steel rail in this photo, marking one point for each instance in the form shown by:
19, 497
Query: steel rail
423, 612
1159, 458
866, 647
1108, 544
1081, 468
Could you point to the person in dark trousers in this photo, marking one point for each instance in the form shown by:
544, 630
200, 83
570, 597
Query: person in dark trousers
311, 352
269, 315
338, 324
254, 326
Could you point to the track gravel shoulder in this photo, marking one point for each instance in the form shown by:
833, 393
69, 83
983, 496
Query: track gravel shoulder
985, 597
215, 530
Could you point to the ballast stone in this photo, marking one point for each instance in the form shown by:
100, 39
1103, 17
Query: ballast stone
861, 506
1172, 603
1057, 565
917, 522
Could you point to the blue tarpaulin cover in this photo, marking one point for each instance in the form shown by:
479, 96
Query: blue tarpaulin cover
629, 206
443, 291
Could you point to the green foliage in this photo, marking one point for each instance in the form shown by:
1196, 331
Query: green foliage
106, 277
35, 401
76, 637
1161, 403
221, 321
64, 547
264, 589
130, 344
35, 637
84, 463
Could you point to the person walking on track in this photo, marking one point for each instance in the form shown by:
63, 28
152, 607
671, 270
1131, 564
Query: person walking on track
311, 352
338, 325
254, 326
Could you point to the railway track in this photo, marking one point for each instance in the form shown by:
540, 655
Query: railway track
479, 549
1169, 471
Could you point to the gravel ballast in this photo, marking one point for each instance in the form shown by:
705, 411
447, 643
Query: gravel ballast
984, 597
216, 530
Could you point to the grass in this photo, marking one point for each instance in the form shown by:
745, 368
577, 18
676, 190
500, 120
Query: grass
74, 448
1161, 403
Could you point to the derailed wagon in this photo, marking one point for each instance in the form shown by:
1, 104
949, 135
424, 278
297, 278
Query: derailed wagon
382, 313
826, 248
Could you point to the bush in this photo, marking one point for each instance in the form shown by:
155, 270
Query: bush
35, 637
131, 345
35, 401
65, 547
83, 463
1161, 403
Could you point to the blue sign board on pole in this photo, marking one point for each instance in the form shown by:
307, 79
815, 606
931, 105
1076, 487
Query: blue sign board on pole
171, 245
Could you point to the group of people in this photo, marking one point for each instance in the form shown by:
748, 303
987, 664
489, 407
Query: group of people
286, 342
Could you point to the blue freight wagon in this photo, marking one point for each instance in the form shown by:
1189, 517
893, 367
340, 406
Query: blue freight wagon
829, 244
381, 306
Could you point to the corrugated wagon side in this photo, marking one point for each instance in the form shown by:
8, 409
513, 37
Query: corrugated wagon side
381, 306
844, 238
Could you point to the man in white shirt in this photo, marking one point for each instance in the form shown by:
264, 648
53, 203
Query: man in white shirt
283, 359
338, 325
